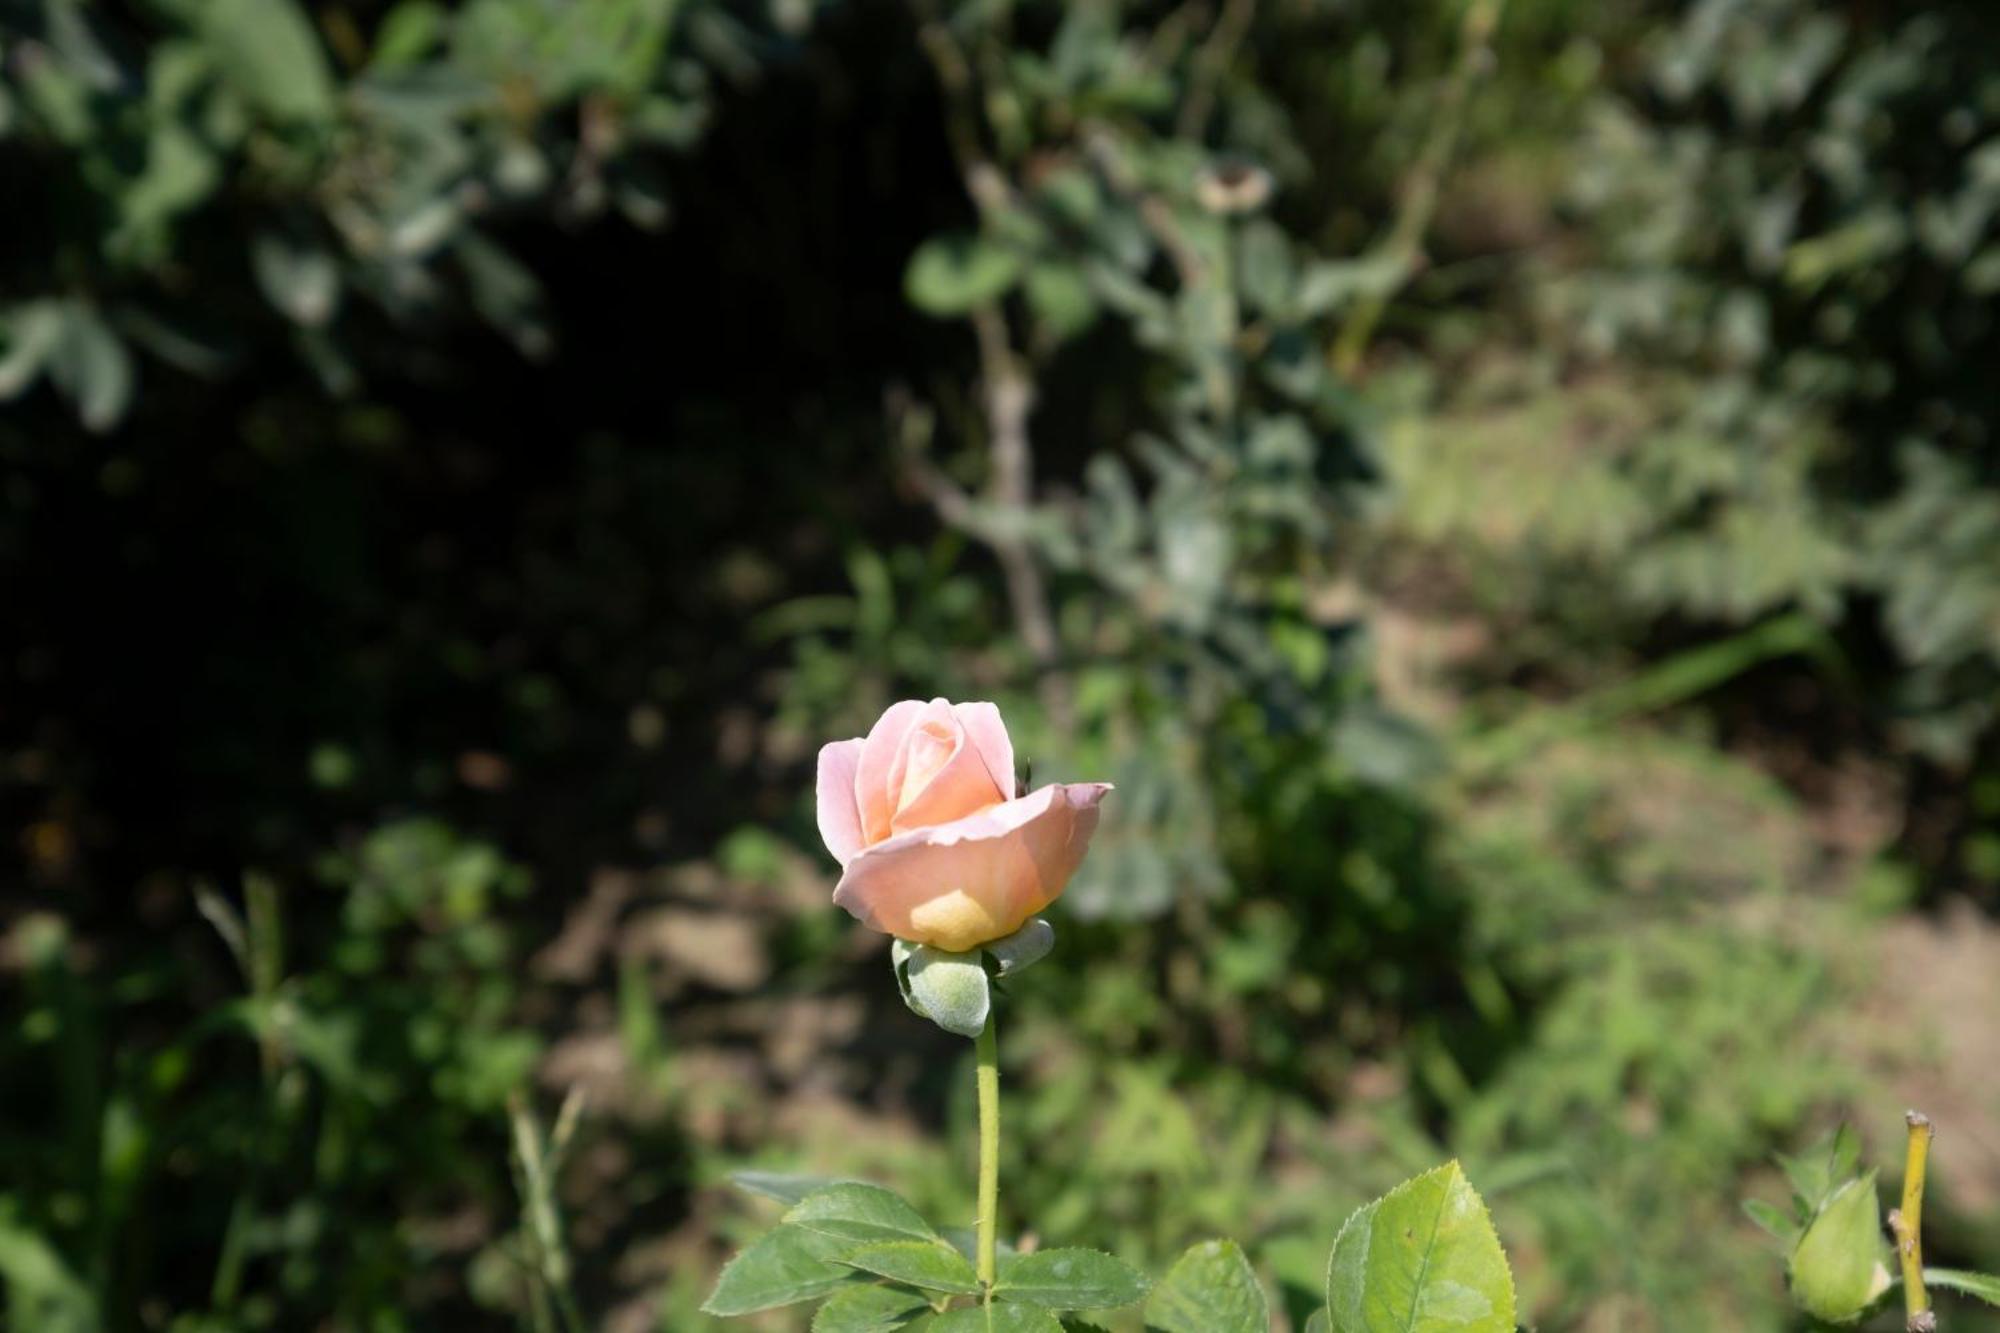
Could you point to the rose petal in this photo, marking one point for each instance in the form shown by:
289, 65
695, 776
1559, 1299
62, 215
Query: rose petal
837, 812
989, 734
954, 886
939, 775
871, 775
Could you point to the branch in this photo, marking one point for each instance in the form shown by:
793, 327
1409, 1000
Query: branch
1420, 192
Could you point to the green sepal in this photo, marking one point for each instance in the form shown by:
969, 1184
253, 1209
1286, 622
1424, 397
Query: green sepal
950, 989
1839, 1267
1023, 949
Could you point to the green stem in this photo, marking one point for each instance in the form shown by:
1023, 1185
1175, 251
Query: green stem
1908, 1224
987, 1046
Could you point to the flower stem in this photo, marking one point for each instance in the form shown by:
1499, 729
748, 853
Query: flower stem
987, 1046
1908, 1224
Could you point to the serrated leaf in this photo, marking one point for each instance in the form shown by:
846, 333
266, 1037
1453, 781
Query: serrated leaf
930, 1264
950, 275
785, 1187
1210, 1289
989, 1319
860, 1213
866, 1309
1983, 1285
1840, 1267
1773, 1219
782, 1267
950, 989
1423, 1258
1070, 1280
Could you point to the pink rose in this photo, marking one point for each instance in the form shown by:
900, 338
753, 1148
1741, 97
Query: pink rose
934, 847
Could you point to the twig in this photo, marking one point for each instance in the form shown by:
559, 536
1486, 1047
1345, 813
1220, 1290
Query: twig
535, 1164
1007, 387
1908, 1224
1209, 63
1010, 396
1420, 192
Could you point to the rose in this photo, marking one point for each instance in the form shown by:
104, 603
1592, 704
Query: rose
933, 845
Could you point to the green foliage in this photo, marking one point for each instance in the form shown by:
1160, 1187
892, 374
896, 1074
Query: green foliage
834, 1233
1837, 1259
1423, 1258
383, 178
1069, 1279
1985, 1286
785, 1266
1210, 1289
399, 505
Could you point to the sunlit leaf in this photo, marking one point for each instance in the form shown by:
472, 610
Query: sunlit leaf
1421, 1259
1210, 1289
1070, 1279
783, 1267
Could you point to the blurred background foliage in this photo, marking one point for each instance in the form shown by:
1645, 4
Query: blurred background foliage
1508, 492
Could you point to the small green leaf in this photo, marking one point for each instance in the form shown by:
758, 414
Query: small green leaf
28, 335
1061, 299
270, 52
1983, 1285
1820, 1170
989, 1319
1070, 1280
859, 1213
950, 275
93, 367
866, 1309
1421, 1259
1839, 1266
786, 1188
930, 1264
300, 280
408, 33
783, 1267
1772, 1219
950, 989
1210, 1289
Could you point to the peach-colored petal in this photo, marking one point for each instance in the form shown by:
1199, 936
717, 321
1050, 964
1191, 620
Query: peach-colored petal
838, 813
871, 774
954, 886
939, 775
989, 735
